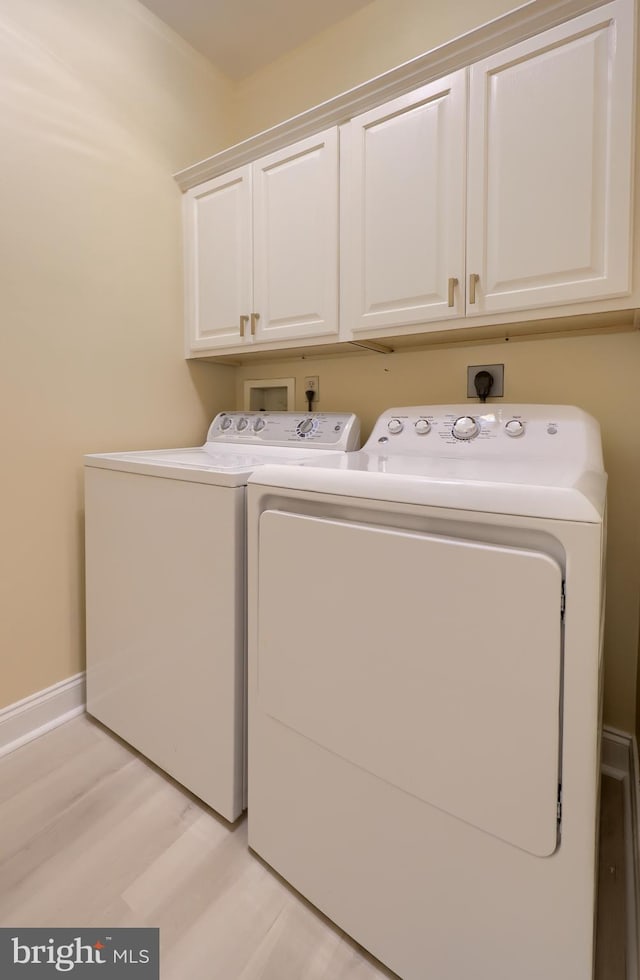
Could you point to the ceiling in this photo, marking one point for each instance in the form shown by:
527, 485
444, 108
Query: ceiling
240, 36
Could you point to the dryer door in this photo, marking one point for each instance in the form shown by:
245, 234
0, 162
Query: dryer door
434, 663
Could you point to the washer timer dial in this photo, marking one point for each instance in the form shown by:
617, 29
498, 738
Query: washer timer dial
306, 427
465, 428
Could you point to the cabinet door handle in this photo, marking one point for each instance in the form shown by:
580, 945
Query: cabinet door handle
243, 322
453, 282
474, 279
254, 319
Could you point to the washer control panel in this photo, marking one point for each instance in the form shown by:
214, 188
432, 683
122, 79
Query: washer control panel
319, 430
515, 431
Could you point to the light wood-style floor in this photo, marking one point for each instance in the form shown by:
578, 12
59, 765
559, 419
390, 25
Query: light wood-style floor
92, 835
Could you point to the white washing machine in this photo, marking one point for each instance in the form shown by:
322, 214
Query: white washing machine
425, 677
166, 592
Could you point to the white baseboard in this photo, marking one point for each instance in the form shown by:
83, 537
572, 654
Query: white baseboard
40, 712
620, 760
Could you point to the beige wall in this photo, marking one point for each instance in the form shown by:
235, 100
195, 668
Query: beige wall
379, 37
98, 105
598, 373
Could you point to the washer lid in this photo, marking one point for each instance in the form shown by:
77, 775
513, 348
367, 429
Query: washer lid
228, 465
238, 442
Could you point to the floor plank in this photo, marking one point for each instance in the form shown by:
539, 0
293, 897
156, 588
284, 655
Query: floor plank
93, 835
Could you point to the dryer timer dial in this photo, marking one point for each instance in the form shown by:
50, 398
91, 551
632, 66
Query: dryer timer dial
465, 428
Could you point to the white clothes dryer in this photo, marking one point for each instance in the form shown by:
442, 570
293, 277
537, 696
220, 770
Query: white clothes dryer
425, 675
166, 591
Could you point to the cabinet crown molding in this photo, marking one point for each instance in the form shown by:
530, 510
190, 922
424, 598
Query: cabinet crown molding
517, 25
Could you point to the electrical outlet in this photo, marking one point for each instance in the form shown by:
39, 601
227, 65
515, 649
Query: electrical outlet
497, 373
313, 384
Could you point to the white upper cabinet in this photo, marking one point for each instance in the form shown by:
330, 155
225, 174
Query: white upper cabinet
217, 242
549, 167
499, 194
403, 187
261, 250
295, 236
534, 213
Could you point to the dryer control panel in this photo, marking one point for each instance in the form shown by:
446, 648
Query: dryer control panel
317, 430
505, 431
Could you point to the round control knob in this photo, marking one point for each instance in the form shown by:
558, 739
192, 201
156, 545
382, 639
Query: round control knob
395, 426
514, 427
422, 426
242, 424
305, 427
465, 428
226, 423
259, 424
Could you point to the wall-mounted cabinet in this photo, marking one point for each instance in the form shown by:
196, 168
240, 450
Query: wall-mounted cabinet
501, 192
403, 190
261, 250
218, 261
549, 167
541, 154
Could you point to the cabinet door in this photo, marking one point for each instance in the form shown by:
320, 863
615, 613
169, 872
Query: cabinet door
295, 214
403, 210
217, 222
549, 186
